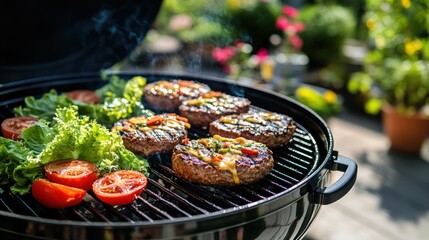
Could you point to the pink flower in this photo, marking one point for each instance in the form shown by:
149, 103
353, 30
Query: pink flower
262, 55
290, 11
223, 55
282, 23
299, 26
295, 42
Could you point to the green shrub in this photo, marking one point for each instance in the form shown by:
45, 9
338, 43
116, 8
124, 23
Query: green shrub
327, 28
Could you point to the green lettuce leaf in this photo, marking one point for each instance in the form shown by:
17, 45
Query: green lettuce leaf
12, 153
120, 99
44, 107
67, 136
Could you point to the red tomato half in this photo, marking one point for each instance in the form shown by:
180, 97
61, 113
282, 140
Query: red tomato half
120, 187
82, 95
13, 127
72, 172
54, 195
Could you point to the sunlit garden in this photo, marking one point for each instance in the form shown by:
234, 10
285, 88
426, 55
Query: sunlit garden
362, 55
242, 119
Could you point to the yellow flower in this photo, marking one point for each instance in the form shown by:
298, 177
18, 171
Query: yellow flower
267, 70
380, 42
306, 93
411, 47
330, 96
234, 4
406, 3
370, 24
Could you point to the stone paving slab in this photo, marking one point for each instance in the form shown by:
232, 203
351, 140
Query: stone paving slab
390, 199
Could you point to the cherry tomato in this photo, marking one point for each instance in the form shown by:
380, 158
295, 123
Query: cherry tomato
85, 96
55, 195
72, 172
249, 151
13, 127
120, 187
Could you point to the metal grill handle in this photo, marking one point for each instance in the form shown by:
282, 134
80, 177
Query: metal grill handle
342, 186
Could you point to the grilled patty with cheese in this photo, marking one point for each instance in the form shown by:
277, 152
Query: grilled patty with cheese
211, 106
149, 135
222, 161
167, 96
272, 129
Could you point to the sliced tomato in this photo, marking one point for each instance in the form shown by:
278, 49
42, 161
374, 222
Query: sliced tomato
183, 119
83, 95
186, 141
249, 151
184, 83
217, 158
72, 172
55, 195
156, 120
212, 94
13, 127
120, 187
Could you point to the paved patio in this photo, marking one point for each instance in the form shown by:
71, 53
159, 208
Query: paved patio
390, 199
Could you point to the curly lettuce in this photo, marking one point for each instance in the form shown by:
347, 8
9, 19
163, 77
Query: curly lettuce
119, 99
67, 136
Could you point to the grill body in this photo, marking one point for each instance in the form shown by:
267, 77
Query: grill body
281, 206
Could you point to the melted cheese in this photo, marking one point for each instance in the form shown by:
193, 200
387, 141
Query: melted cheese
169, 123
223, 158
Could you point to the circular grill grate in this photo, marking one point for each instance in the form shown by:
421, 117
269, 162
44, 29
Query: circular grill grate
168, 197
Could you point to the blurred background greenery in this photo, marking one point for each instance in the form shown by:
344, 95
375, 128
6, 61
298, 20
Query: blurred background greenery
361, 52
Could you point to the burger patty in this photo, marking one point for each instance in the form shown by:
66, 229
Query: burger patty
272, 129
150, 135
220, 161
211, 106
168, 95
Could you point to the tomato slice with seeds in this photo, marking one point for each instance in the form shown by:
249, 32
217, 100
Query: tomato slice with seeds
13, 127
83, 95
55, 195
120, 187
72, 172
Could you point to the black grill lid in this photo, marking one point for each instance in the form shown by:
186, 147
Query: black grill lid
41, 38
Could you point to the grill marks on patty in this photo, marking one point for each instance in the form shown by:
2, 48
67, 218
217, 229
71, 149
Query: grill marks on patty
238, 153
211, 106
150, 135
222, 161
272, 129
168, 95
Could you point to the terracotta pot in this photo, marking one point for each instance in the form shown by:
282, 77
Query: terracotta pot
406, 133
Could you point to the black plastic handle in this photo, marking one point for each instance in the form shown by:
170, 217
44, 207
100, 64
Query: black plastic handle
342, 186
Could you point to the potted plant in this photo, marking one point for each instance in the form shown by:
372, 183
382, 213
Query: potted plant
395, 79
